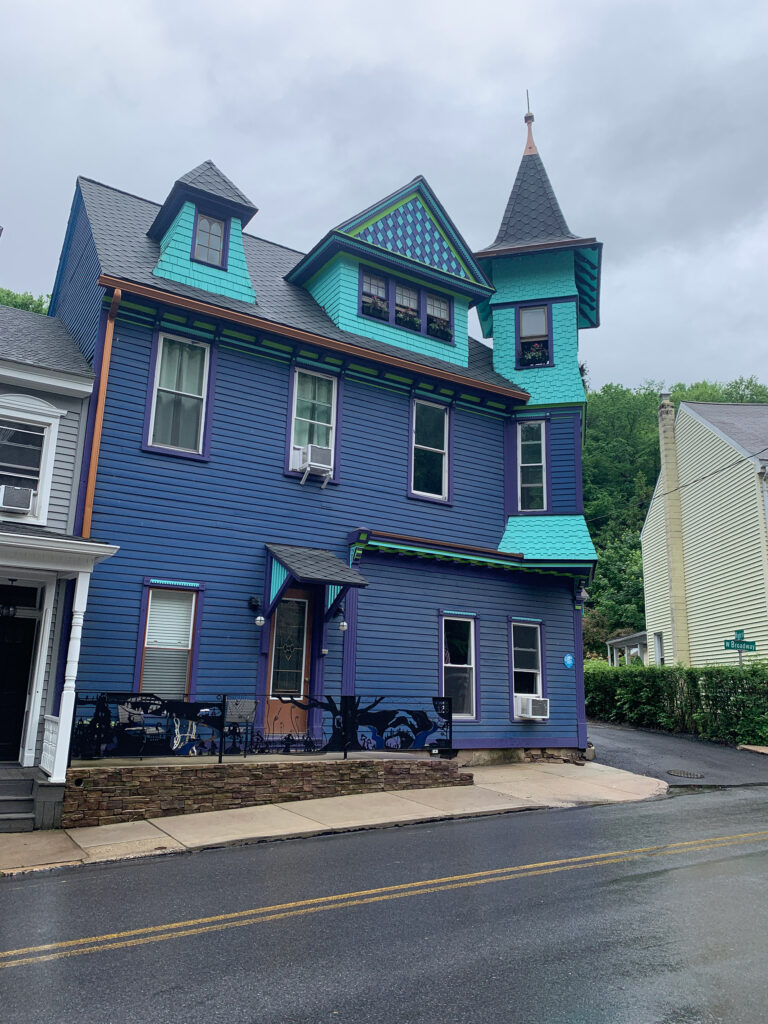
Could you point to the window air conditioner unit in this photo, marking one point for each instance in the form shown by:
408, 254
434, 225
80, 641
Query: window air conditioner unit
536, 708
16, 499
317, 460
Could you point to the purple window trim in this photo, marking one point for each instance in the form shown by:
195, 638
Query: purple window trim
349, 654
511, 469
578, 653
191, 587
467, 616
577, 463
391, 284
227, 222
337, 426
417, 495
518, 620
518, 341
210, 390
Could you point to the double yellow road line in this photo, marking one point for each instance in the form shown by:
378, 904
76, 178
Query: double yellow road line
299, 908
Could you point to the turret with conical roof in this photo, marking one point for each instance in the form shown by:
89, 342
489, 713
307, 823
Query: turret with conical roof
547, 282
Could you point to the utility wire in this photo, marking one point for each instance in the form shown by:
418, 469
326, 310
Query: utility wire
696, 480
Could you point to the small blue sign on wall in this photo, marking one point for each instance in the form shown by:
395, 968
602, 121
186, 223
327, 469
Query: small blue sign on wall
569, 661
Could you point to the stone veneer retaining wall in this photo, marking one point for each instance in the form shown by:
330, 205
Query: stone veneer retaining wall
104, 795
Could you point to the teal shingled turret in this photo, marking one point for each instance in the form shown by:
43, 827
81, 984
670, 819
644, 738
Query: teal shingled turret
547, 282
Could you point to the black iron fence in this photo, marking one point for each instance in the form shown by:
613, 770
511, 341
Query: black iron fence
114, 724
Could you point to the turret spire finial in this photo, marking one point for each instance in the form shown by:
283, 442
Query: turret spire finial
530, 146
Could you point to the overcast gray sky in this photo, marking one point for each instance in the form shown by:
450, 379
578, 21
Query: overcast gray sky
650, 118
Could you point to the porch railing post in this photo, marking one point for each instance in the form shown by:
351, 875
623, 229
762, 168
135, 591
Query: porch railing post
67, 704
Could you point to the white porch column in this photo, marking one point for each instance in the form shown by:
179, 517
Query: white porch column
67, 705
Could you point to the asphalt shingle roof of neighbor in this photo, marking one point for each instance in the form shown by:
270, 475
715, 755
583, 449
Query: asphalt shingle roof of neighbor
208, 178
34, 339
316, 565
29, 530
119, 222
533, 214
746, 424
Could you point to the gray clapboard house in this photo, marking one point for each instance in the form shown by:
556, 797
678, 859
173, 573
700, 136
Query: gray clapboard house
45, 388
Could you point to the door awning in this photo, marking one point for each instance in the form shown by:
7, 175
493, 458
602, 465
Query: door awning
289, 564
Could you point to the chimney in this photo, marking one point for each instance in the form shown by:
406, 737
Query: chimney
673, 531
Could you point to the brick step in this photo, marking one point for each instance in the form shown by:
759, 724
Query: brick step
17, 822
16, 804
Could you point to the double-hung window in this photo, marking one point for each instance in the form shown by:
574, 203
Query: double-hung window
374, 296
167, 653
209, 240
439, 317
534, 336
407, 308
531, 466
179, 397
28, 434
429, 451
405, 304
526, 659
458, 665
313, 419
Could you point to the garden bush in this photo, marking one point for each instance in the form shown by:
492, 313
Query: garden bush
728, 705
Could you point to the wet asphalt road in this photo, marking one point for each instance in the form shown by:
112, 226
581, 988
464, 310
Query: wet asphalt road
655, 753
675, 935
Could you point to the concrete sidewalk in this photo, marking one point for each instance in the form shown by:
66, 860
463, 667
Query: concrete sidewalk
497, 789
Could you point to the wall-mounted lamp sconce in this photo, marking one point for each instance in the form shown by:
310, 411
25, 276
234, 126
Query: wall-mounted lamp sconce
343, 625
254, 603
582, 595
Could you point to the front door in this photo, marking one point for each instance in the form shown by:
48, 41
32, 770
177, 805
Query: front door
289, 664
17, 643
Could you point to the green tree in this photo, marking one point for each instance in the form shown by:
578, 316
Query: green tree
24, 300
616, 594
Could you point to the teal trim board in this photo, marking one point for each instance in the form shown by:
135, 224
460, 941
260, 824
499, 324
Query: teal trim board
176, 261
565, 538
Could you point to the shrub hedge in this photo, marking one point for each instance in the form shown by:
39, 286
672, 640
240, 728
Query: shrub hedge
728, 705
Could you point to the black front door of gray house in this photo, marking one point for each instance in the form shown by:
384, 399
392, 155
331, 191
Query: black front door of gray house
17, 642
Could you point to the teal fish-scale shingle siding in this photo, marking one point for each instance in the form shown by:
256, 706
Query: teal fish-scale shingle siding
176, 262
549, 538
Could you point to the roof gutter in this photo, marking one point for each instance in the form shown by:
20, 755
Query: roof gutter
98, 423
295, 334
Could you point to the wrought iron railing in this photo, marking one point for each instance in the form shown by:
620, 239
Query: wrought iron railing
118, 724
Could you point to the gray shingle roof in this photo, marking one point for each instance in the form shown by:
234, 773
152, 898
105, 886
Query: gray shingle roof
533, 214
208, 178
315, 565
119, 222
746, 425
42, 341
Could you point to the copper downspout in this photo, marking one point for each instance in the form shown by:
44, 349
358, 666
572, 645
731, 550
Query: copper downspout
98, 423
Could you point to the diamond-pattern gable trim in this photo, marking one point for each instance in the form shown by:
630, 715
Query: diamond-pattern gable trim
411, 231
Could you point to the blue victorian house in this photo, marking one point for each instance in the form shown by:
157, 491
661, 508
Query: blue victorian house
319, 483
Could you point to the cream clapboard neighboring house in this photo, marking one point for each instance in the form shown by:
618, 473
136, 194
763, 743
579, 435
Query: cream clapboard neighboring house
705, 539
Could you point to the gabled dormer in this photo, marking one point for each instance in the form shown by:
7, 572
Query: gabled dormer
200, 231
398, 272
547, 282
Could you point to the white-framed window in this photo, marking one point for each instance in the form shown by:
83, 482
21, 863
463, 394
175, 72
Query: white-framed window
168, 635
179, 395
313, 417
374, 296
209, 240
289, 648
526, 659
534, 336
29, 430
458, 664
531, 466
658, 648
429, 450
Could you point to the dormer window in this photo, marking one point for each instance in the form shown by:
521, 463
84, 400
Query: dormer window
534, 347
210, 236
407, 308
439, 317
374, 298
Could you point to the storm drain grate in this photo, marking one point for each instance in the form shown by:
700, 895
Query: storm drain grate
683, 773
